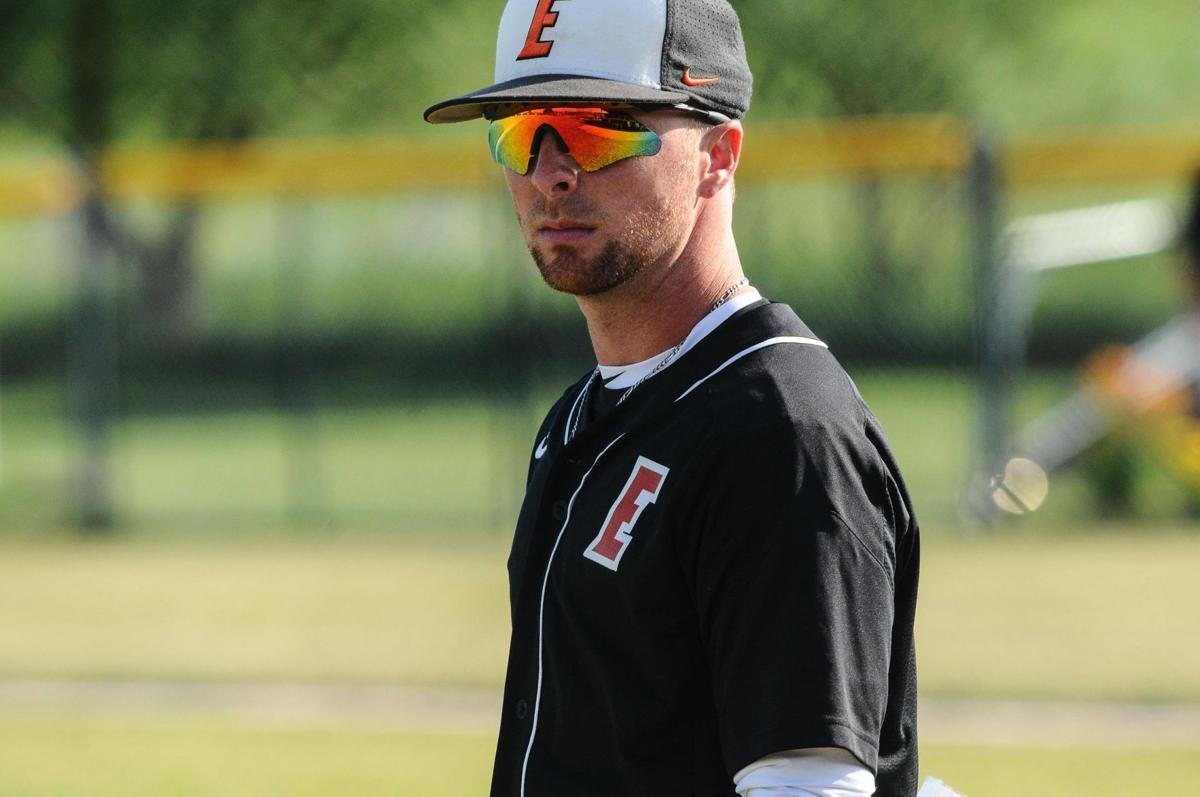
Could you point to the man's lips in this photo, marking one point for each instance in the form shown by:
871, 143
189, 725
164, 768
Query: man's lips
564, 231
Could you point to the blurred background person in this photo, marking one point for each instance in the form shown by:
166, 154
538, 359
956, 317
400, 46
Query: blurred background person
1151, 390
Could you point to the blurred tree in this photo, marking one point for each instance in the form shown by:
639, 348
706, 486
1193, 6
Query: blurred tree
91, 72
830, 58
824, 57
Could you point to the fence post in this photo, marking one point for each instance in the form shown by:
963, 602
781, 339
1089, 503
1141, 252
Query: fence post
298, 377
92, 371
992, 372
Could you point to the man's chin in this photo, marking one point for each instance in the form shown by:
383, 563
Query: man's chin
573, 283
564, 270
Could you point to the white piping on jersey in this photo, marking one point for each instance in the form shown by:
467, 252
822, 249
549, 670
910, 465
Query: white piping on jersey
568, 426
537, 701
621, 377
764, 344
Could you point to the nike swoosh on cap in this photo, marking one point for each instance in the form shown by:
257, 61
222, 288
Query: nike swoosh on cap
688, 80
542, 448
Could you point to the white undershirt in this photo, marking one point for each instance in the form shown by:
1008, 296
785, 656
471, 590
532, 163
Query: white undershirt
621, 377
812, 772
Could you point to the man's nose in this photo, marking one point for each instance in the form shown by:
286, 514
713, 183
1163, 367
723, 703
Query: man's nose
553, 170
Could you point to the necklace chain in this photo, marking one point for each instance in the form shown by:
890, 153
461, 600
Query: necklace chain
725, 296
729, 292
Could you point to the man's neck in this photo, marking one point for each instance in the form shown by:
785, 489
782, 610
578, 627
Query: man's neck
657, 308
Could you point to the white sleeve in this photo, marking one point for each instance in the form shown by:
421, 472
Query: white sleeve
812, 772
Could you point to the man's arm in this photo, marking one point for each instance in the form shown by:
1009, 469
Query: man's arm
795, 605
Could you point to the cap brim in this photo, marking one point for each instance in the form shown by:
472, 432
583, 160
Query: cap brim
549, 88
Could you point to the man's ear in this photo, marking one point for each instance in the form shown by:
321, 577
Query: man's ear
722, 146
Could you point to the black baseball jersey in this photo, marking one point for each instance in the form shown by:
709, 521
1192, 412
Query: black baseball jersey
722, 567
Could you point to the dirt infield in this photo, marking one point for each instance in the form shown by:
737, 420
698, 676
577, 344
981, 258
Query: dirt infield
475, 711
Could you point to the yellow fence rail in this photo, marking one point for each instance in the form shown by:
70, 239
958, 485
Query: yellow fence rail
1104, 155
936, 145
940, 145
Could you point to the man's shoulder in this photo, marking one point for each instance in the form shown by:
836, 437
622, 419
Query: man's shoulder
775, 372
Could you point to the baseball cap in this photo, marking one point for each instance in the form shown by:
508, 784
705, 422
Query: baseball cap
636, 52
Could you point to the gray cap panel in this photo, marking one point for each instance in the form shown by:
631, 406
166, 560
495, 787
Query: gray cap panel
704, 41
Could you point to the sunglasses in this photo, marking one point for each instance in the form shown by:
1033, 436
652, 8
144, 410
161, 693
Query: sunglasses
595, 137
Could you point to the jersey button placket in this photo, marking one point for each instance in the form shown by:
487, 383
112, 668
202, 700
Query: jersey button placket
559, 510
522, 709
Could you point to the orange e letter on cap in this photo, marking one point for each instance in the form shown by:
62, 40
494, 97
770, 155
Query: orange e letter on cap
543, 18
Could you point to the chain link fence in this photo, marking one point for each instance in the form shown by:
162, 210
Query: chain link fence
382, 359
225, 333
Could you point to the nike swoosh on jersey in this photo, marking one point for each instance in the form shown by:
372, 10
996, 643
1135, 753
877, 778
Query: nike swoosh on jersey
688, 80
542, 448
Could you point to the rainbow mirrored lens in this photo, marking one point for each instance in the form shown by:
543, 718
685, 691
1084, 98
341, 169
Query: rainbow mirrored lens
595, 137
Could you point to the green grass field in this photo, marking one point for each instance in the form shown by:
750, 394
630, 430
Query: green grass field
115, 756
1065, 617
1108, 617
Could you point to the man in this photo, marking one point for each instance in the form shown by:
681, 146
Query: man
714, 571
1184, 450
1144, 398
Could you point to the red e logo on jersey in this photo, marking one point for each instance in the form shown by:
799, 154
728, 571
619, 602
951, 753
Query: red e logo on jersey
543, 18
640, 491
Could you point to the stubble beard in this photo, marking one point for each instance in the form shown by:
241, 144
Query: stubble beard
649, 238
564, 269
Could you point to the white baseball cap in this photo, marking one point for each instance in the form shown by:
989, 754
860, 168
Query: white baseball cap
636, 52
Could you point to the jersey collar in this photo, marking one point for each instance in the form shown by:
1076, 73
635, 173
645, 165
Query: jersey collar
745, 327
622, 377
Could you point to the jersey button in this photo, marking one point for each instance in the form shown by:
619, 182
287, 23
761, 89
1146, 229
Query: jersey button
522, 709
559, 510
